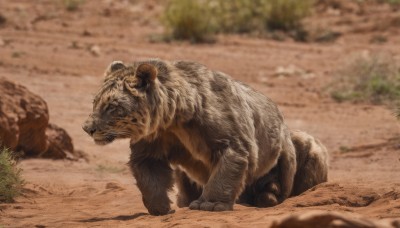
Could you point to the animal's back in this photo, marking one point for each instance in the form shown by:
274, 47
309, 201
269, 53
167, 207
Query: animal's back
242, 111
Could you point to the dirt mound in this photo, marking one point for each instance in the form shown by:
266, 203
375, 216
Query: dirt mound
316, 219
345, 195
24, 124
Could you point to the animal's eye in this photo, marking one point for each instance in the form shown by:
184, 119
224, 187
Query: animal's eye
111, 108
116, 110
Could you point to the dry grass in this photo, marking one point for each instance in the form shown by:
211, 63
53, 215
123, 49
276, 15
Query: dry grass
392, 2
188, 20
10, 177
287, 14
106, 168
72, 5
198, 20
374, 79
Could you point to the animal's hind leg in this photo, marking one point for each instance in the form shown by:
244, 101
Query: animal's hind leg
287, 166
188, 190
267, 189
276, 186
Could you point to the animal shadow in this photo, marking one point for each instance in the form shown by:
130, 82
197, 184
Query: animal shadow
119, 218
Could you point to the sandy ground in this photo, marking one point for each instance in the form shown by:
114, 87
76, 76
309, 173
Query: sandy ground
53, 53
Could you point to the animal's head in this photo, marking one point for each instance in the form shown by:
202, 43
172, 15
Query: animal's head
121, 108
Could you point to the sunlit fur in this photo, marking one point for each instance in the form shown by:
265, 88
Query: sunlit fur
120, 110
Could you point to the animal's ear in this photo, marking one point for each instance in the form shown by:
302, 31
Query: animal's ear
146, 72
114, 66
145, 75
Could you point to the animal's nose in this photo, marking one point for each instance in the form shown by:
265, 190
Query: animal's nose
89, 129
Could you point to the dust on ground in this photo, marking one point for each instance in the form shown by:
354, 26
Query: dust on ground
61, 56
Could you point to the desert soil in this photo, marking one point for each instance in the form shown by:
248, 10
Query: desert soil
62, 55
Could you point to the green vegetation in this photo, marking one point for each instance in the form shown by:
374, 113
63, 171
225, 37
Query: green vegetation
374, 79
72, 5
198, 20
188, 20
287, 14
109, 169
392, 2
10, 177
344, 149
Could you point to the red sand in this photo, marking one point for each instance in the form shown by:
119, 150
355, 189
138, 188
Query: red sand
47, 49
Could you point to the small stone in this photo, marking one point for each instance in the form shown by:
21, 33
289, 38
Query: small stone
75, 45
95, 50
2, 42
86, 33
3, 19
113, 186
292, 70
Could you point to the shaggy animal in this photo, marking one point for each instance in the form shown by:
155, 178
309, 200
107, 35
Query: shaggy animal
215, 134
312, 169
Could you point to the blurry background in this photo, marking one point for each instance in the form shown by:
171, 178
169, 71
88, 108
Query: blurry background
332, 66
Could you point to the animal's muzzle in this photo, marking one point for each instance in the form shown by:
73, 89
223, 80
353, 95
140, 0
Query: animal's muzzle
89, 127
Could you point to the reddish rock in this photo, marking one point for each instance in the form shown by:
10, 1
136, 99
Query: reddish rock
24, 117
24, 124
60, 143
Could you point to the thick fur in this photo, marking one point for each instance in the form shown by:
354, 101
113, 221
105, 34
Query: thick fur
312, 169
218, 134
312, 162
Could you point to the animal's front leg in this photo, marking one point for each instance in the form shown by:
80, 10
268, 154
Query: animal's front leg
188, 190
154, 180
225, 183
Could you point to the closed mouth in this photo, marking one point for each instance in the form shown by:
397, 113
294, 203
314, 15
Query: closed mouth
108, 139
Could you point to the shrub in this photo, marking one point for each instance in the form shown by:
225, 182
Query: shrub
72, 5
392, 2
197, 20
240, 16
10, 177
374, 79
287, 14
188, 19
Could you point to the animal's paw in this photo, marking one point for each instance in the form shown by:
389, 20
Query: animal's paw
160, 210
266, 199
210, 206
269, 197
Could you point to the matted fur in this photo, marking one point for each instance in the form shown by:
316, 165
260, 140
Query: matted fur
218, 134
312, 169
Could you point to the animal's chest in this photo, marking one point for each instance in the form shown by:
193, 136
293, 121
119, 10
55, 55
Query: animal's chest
195, 144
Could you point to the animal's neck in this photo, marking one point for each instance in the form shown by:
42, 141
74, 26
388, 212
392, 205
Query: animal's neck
181, 101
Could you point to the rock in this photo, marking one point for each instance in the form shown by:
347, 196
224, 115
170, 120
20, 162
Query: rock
114, 186
60, 143
316, 219
292, 70
2, 42
95, 50
24, 124
3, 19
24, 117
86, 33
